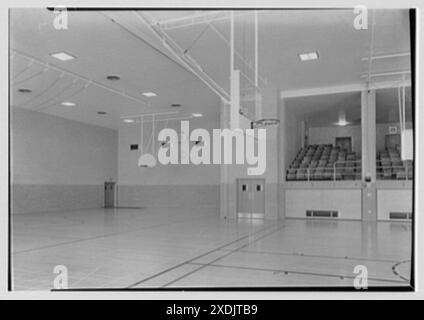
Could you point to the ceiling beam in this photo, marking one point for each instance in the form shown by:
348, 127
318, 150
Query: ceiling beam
195, 19
388, 56
357, 87
190, 63
238, 55
386, 74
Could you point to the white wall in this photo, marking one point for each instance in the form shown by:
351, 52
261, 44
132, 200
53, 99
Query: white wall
54, 160
51, 150
325, 135
346, 201
178, 174
173, 184
393, 201
292, 137
383, 129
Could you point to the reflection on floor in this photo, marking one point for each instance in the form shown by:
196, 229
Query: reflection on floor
168, 247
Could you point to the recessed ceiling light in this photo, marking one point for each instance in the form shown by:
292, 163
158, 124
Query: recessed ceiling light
113, 77
63, 56
308, 56
24, 90
101, 112
129, 120
68, 104
175, 105
197, 115
149, 94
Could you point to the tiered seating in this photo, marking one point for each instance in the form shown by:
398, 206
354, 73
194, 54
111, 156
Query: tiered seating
323, 162
390, 166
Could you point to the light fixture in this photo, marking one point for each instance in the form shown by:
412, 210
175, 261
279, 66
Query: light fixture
149, 94
196, 115
129, 120
63, 56
175, 105
146, 160
101, 112
307, 56
68, 104
113, 77
342, 123
24, 90
342, 119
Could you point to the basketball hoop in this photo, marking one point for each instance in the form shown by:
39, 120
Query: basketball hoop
264, 123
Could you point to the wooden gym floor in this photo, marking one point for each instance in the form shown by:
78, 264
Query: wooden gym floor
170, 247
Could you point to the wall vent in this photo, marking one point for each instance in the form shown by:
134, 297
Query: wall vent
322, 213
401, 215
134, 147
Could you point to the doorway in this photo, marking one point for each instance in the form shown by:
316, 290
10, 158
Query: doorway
109, 194
251, 198
344, 143
393, 141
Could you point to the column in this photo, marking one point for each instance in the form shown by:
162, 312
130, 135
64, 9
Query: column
368, 127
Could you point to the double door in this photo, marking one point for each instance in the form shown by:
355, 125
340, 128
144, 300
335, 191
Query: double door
250, 198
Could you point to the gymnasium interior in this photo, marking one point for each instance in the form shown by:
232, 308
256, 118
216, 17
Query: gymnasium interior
90, 90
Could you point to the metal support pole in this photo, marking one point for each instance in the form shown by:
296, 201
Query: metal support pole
231, 42
256, 52
141, 135
153, 132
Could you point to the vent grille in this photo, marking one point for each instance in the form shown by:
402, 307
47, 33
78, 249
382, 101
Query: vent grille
322, 213
401, 215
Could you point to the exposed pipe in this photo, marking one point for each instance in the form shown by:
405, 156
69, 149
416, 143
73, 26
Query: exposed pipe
231, 42
387, 56
142, 134
400, 109
149, 114
228, 43
195, 19
49, 66
185, 59
385, 74
371, 47
256, 51
403, 108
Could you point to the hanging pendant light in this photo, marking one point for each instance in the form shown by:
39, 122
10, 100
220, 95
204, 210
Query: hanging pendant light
147, 160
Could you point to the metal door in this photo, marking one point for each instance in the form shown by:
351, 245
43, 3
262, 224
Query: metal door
244, 202
258, 198
250, 198
110, 194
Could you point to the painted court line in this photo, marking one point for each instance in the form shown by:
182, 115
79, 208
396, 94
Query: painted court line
394, 269
294, 272
300, 254
197, 257
222, 257
100, 236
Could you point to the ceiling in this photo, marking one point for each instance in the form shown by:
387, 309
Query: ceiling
116, 42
